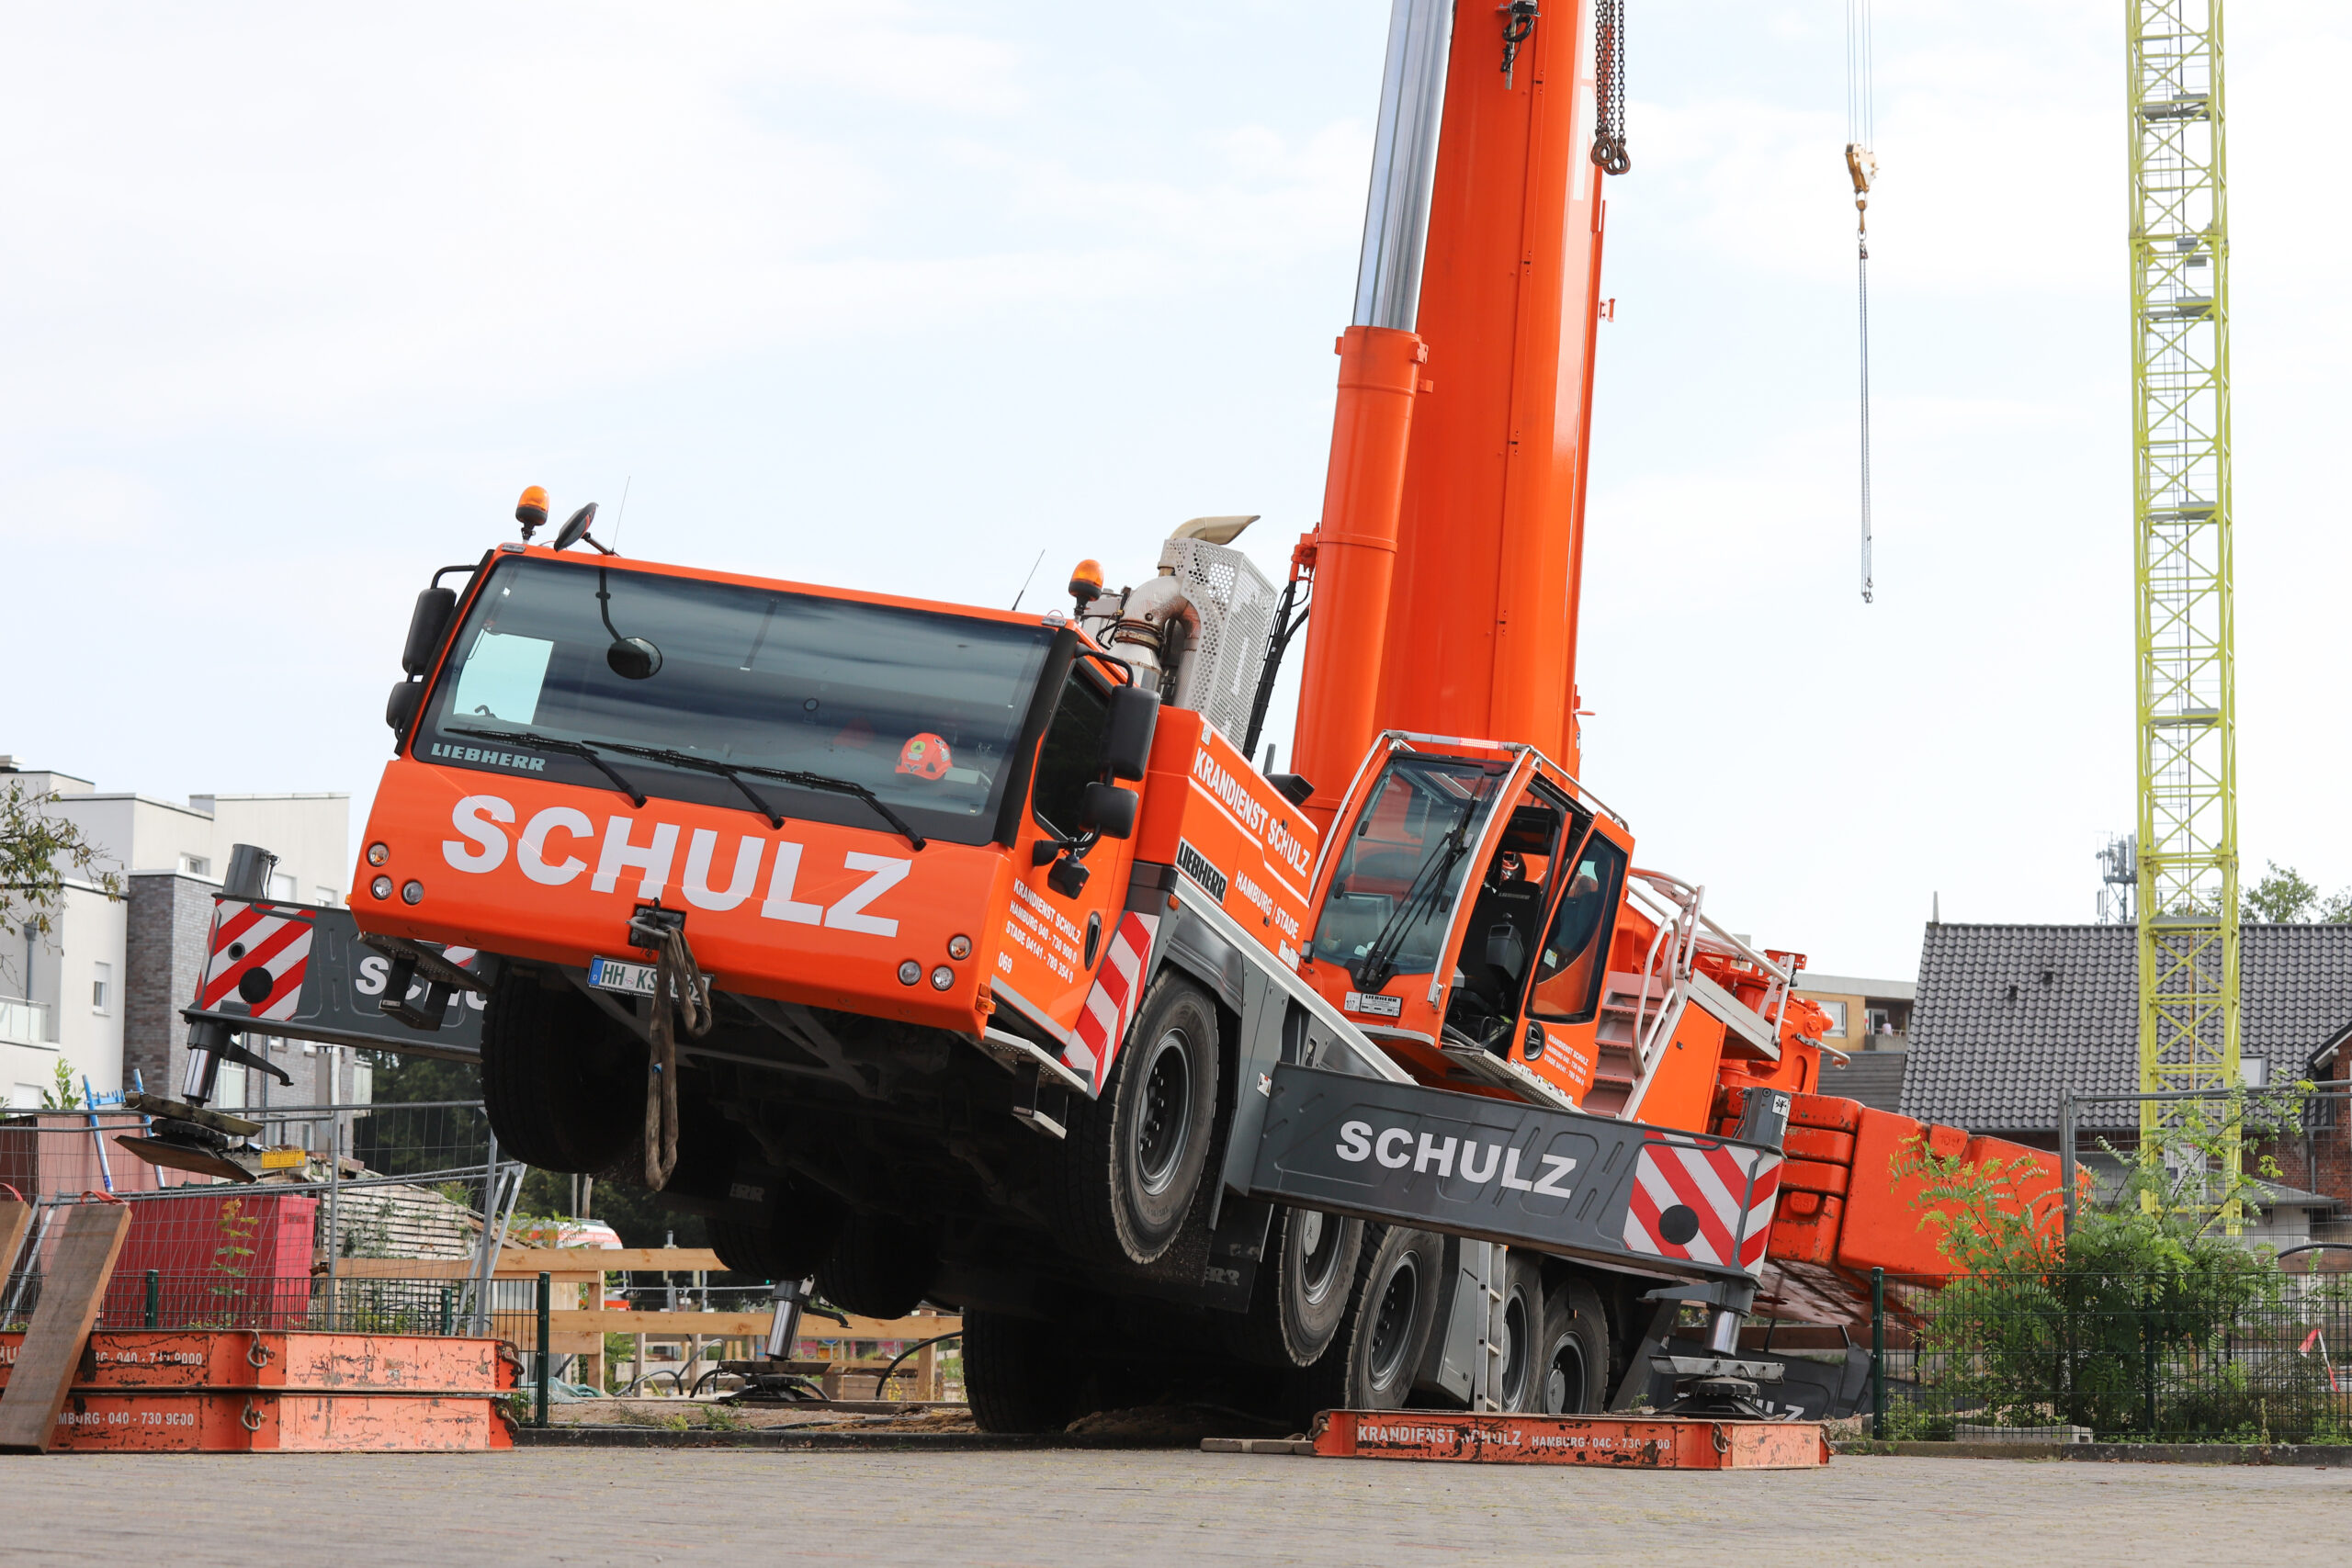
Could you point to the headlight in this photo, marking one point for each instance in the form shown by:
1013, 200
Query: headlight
411, 892
379, 854
941, 977
959, 947
909, 973
381, 888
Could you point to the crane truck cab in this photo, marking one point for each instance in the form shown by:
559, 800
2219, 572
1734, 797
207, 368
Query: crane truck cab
981, 924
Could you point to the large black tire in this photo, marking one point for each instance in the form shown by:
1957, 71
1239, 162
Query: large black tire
1575, 1362
786, 1241
1525, 1334
1391, 1310
1133, 1159
1017, 1375
1300, 1302
563, 1085
879, 1268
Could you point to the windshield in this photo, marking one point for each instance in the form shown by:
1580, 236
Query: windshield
923, 709
1404, 864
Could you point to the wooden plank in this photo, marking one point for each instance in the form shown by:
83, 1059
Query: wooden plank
675, 1260
456, 1268
74, 1283
746, 1325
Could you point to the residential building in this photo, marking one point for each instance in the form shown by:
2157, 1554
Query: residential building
1870, 1021
2010, 1018
103, 993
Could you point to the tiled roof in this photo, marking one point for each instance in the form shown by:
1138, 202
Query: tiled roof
1874, 1077
2008, 1017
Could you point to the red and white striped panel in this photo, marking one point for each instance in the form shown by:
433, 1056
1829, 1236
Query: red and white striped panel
257, 939
1705, 1202
1111, 1006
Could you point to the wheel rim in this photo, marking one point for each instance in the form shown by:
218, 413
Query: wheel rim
1318, 1254
1517, 1352
1391, 1324
1166, 1124
1564, 1379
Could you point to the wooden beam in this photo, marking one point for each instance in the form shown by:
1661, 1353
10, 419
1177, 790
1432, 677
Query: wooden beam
70, 1291
744, 1325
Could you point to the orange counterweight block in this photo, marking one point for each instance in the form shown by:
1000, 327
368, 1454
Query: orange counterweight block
1844, 1206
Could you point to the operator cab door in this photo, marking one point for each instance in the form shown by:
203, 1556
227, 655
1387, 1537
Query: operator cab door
1563, 1041
1052, 945
1503, 941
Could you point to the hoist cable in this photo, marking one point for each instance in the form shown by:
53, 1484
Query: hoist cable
1862, 167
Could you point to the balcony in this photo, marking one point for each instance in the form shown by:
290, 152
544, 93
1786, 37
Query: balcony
24, 1022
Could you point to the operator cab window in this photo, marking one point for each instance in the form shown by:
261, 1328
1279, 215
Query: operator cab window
1072, 757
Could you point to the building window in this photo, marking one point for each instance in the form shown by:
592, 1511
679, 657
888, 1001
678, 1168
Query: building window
281, 887
195, 866
1837, 1011
324, 894
101, 986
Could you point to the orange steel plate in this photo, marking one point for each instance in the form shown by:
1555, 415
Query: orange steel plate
232, 1390
265, 1421
1626, 1442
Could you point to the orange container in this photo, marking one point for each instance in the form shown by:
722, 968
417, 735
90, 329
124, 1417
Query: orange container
214, 1390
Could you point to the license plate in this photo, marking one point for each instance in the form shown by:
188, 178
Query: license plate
619, 975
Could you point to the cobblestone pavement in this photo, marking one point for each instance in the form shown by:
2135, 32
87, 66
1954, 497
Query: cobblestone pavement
1189, 1509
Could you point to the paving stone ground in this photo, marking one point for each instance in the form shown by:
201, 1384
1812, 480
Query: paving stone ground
1187, 1509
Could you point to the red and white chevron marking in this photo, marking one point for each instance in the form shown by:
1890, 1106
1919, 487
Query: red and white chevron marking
1111, 1006
257, 939
1715, 1197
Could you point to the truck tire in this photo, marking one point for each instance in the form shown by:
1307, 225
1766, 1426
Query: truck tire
1575, 1362
1304, 1286
1371, 1361
563, 1085
1133, 1159
878, 1267
784, 1242
1525, 1332
1017, 1378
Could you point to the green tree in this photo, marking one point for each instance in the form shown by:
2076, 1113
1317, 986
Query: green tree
63, 1097
2283, 897
37, 855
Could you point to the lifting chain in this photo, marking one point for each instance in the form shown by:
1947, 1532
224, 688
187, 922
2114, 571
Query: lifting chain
681, 995
1608, 88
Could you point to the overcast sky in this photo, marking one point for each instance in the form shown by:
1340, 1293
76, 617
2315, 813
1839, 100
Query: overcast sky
296, 298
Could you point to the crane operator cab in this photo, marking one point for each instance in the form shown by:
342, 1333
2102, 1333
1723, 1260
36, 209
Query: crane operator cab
1465, 918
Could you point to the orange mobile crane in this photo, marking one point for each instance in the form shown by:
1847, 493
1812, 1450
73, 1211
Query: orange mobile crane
936, 951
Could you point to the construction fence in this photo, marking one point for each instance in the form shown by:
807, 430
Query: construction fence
400, 1219
2262, 1357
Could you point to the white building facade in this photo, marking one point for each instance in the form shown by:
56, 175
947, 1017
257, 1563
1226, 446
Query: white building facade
102, 993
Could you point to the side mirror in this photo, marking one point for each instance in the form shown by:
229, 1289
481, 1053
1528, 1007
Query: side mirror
1127, 741
427, 624
1109, 810
633, 659
400, 711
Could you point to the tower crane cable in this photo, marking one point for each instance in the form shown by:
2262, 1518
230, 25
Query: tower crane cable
1862, 167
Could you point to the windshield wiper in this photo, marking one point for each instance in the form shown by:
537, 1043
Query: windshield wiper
833, 785
727, 771
549, 743
1377, 967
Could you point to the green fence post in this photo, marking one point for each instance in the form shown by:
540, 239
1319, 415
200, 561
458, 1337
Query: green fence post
2148, 1350
547, 1300
447, 1313
1878, 1353
154, 1299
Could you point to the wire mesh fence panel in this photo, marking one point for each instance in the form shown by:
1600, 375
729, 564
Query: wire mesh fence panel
2260, 1356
